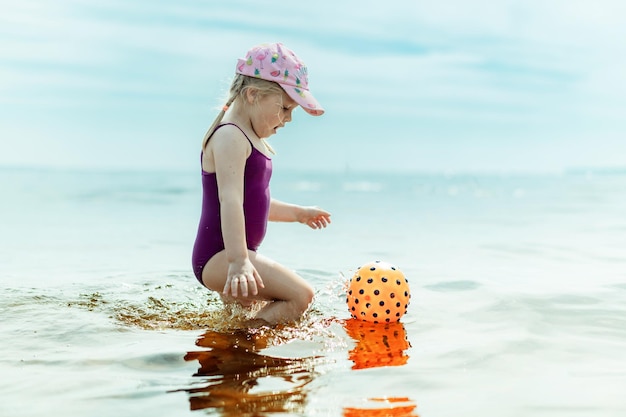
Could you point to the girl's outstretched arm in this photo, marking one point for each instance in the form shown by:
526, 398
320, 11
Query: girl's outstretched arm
312, 216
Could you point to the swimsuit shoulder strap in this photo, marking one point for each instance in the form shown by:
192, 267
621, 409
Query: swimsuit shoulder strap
232, 124
224, 124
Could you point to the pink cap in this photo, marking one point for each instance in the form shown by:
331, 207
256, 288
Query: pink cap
275, 62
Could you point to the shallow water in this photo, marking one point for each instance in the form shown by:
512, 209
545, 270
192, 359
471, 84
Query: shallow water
518, 307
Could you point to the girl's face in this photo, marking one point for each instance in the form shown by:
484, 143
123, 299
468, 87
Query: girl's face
271, 112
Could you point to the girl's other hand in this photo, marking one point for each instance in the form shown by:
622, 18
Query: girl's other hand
243, 279
314, 217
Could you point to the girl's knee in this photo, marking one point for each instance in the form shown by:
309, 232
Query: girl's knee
305, 297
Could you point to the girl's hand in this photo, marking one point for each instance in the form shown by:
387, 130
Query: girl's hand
242, 278
314, 217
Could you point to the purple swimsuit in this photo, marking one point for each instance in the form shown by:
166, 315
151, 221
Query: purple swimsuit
256, 207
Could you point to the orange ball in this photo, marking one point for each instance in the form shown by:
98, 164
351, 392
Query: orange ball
378, 293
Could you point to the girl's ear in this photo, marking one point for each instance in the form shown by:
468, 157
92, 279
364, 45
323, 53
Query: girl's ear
251, 95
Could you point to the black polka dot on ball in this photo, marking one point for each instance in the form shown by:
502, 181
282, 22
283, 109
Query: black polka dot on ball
373, 268
369, 281
392, 295
383, 279
375, 314
376, 292
382, 303
398, 282
361, 291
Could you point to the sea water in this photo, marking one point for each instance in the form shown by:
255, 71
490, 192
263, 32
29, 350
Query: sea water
518, 298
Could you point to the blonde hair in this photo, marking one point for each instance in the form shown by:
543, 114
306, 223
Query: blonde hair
238, 88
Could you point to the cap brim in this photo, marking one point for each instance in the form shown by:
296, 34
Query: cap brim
305, 99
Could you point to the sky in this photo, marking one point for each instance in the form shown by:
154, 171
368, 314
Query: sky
448, 86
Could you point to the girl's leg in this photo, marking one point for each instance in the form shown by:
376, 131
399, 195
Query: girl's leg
290, 294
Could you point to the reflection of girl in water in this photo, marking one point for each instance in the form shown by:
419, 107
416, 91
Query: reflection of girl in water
233, 367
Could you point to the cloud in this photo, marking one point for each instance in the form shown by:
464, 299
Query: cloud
453, 69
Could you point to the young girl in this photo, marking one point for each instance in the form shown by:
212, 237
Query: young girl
270, 82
